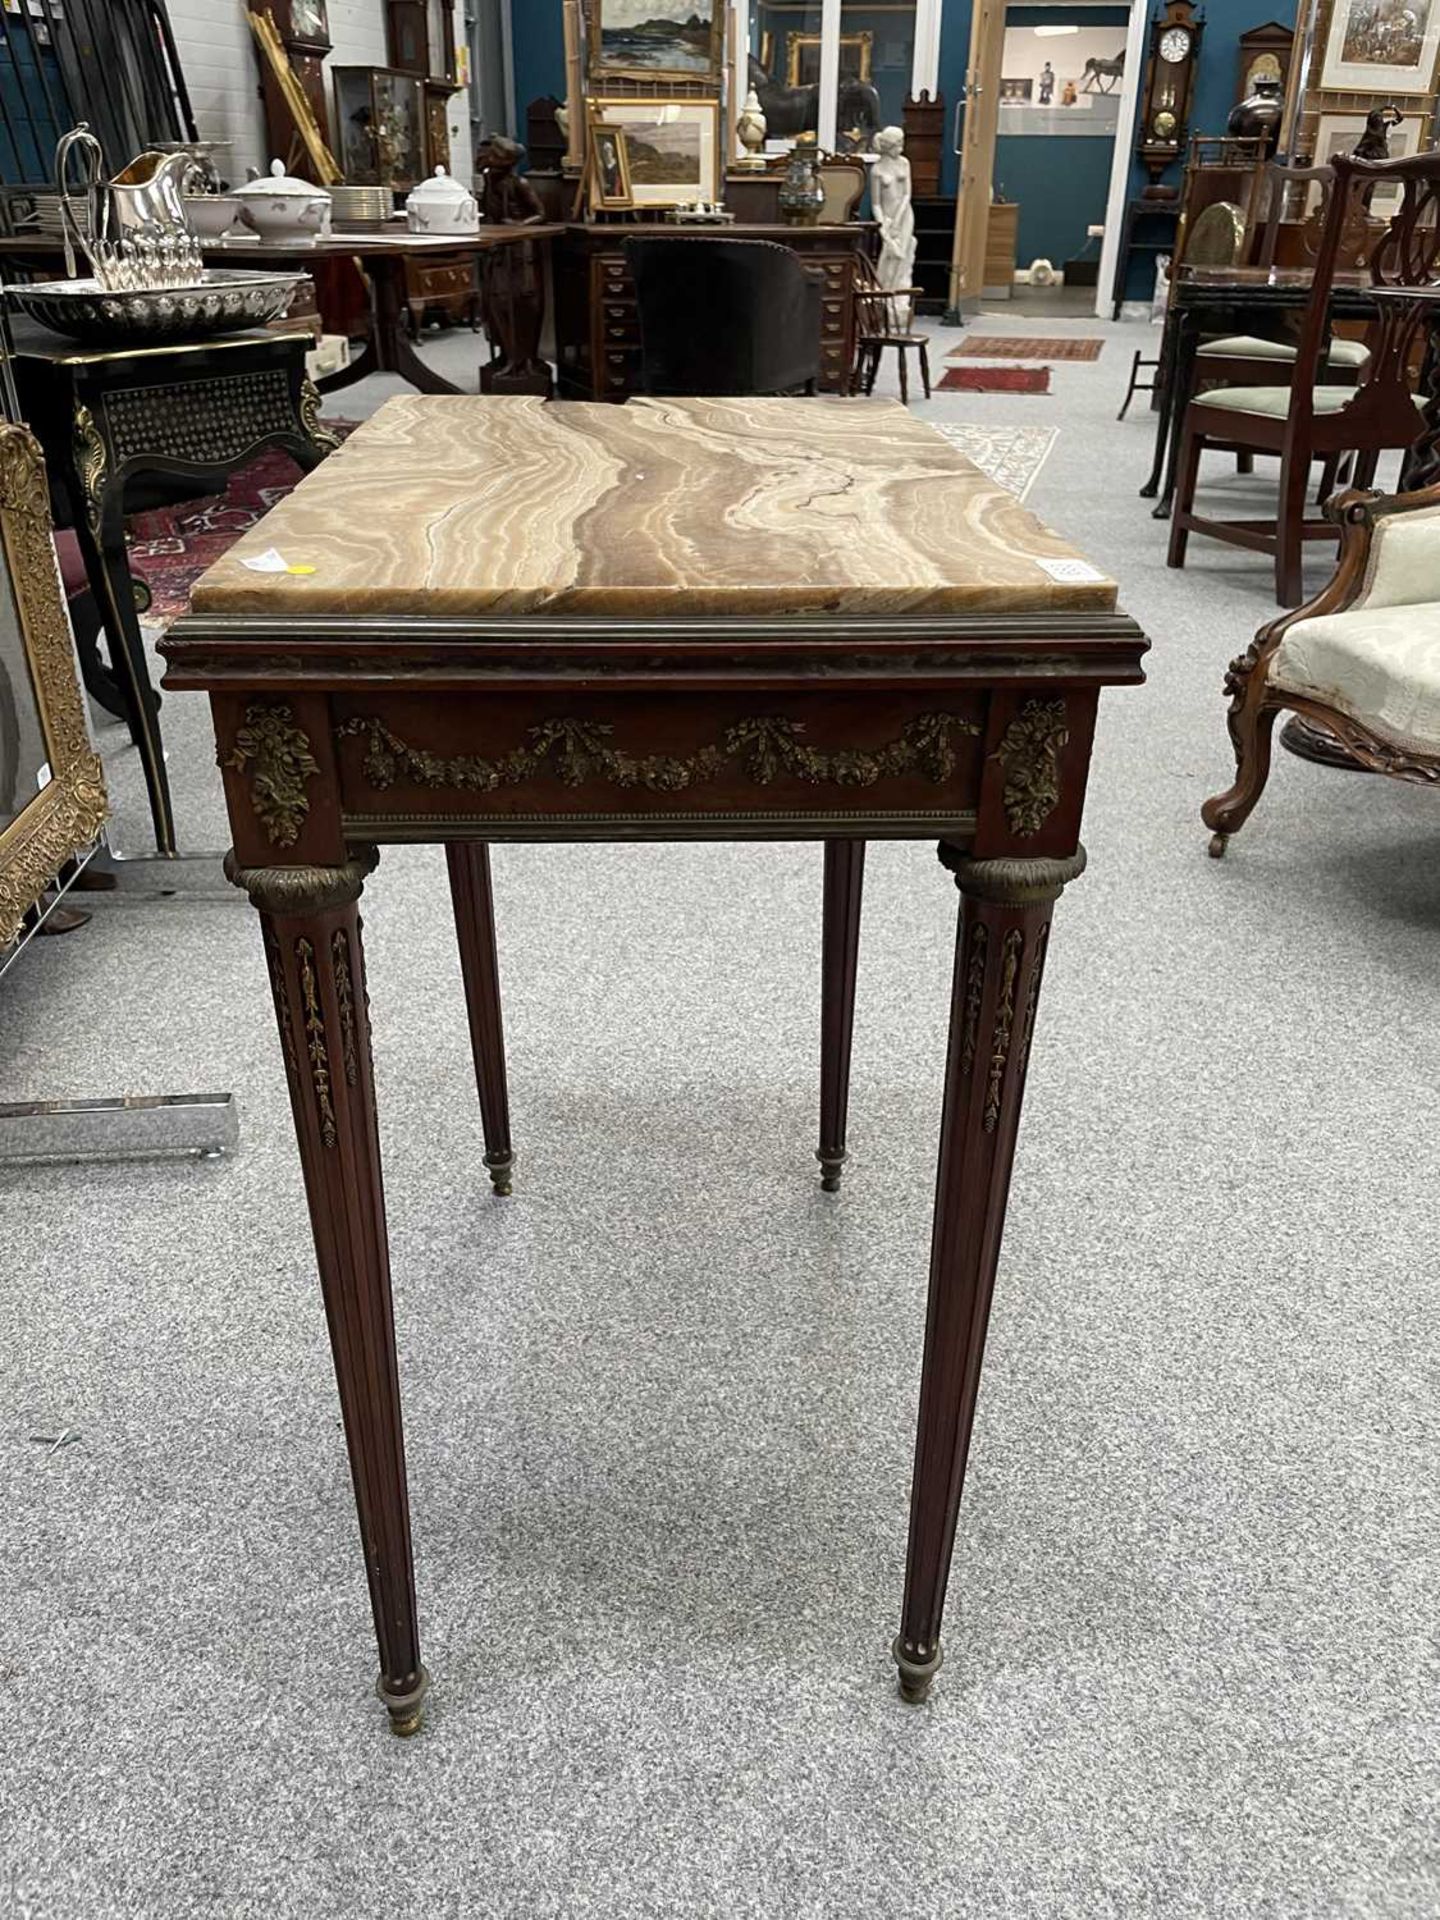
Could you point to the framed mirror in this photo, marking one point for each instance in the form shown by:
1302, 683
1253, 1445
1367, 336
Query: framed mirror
52, 788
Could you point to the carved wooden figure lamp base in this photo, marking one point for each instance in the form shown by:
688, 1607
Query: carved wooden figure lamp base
673, 620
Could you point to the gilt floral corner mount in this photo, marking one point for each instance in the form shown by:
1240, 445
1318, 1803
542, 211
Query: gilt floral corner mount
1029, 752
276, 755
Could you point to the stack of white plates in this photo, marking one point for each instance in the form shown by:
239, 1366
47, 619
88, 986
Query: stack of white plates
47, 213
360, 206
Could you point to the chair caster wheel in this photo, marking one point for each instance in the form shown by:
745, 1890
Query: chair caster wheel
1218, 844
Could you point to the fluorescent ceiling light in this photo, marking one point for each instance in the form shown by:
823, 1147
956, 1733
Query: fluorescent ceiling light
1050, 33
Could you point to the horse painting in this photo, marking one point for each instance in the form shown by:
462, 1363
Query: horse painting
793, 110
1097, 72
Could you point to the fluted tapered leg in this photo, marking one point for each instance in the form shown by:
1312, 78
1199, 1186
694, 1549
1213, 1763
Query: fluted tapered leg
474, 903
844, 878
311, 928
999, 962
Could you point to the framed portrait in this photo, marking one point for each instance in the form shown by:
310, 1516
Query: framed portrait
657, 39
1381, 46
610, 167
52, 789
1340, 133
672, 147
1013, 91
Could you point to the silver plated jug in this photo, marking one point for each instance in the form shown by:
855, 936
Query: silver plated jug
133, 229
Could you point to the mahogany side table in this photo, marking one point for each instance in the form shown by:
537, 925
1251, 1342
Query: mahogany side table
671, 620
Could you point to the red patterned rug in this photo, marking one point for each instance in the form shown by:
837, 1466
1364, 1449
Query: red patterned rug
173, 546
997, 379
1011, 346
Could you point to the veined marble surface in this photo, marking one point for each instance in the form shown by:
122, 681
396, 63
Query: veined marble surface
463, 505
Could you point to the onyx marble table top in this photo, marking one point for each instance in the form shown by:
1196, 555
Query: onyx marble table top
461, 506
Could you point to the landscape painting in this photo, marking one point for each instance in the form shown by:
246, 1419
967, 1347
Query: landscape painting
673, 148
1381, 46
671, 39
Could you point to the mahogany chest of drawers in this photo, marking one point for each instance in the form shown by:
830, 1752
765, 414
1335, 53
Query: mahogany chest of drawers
597, 321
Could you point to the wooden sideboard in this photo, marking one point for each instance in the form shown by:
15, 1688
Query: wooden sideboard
446, 283
597, 321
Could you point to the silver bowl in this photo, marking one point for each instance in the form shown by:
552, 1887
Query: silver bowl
221, 302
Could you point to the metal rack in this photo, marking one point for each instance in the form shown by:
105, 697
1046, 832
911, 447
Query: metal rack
112, 63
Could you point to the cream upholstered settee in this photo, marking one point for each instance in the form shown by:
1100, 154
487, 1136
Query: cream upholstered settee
1362, 659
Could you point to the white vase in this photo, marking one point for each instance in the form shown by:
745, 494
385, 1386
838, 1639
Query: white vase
750, 130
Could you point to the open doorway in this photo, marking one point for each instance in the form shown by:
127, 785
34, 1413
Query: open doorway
1061, 92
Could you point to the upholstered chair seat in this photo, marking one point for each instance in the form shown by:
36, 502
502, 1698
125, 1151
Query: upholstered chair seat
1349, 355
1378, 661
1377, 665
1274, 402
1360, 662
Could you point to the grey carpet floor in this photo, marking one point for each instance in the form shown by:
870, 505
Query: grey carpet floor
660, 1403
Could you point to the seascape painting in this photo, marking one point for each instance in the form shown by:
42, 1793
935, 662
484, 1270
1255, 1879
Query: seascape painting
679, 38
1381, 46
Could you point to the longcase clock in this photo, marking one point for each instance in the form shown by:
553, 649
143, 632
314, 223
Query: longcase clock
304, 29
422, 41
1169, 90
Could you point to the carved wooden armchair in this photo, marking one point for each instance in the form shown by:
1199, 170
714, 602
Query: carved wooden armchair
1307, 419
1362, 659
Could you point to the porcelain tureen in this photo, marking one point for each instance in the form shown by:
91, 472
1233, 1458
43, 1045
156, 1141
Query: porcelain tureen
442, 205
279, 207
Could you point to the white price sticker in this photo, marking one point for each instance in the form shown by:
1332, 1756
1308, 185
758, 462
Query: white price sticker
1075, 573
273, 561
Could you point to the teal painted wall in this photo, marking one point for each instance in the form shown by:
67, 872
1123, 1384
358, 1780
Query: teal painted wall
1060, 183
538, 40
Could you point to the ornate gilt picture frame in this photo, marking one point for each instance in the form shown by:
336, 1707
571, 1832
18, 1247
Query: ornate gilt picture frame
671, 40
610, 188
66, 814
802, 52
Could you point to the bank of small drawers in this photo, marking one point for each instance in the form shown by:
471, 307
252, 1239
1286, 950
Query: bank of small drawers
614, 327
836, 305
615, 345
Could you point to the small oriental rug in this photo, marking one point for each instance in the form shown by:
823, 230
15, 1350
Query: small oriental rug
1011, 456
173, 546
1014, 346
996, 379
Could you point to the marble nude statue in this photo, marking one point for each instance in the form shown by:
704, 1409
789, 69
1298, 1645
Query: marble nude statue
890, 200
